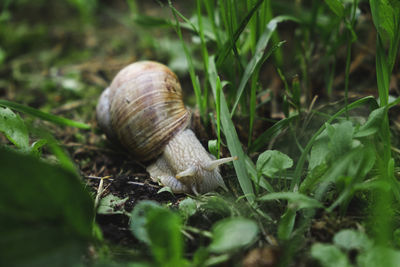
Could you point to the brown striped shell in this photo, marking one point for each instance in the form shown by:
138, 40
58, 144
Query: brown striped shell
143, 108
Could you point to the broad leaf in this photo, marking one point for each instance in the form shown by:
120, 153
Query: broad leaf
160, 229
329, 255
272, 162
341, 137
233, 233
164, 232
111, 204
379, 256
350, 239
46, 215
139, 219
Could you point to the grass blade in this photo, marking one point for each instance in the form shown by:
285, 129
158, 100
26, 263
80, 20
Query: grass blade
223, 53
43, 115
258, 55
234, 145
195, 80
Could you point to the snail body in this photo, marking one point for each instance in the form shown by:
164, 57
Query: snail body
143, 110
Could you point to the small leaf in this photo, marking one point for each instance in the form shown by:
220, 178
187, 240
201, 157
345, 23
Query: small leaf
233, 233
272, 162
351, 239
319, 152
373, 123
313, 177
165, 189
36, 147
14, 128
187, 207
329, 255
341, 137
336, 6
111, 204
217, 205
300, 201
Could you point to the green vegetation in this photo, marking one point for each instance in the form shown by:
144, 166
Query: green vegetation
304, 93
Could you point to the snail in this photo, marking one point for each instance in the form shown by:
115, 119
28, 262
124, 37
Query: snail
143, 110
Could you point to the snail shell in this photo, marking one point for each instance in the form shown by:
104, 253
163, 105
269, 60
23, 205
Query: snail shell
143, 110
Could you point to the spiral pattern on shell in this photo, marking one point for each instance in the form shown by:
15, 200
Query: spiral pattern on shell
146, 108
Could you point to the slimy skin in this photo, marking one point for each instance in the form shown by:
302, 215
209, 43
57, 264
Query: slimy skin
184, 152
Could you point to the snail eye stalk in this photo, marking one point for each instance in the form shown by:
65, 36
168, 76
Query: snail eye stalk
215, 163
188, 172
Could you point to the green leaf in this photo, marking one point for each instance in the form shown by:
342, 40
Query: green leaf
188, 207
43, 115
297, 200
233, 233
334, 141
384, 17
329, 255
313, 177
139, 219
164, 232
165, 189
14, 128
336, 6
272, 162
286, 224
111, 204
373, 123
319, 152
350, 239
36, 147
257, 179
341, 137
217, 204
46, 215
379, 256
